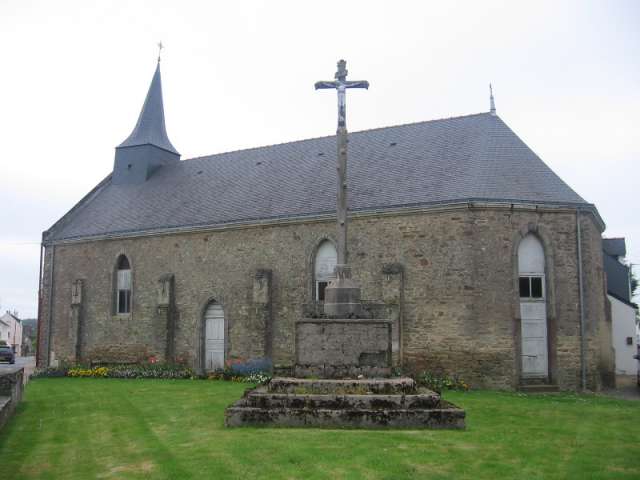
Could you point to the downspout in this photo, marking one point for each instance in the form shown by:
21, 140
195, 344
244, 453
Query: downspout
39, 327
50, 318
401, 321
583, 343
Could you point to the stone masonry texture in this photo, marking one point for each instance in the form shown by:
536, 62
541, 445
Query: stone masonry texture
457, 298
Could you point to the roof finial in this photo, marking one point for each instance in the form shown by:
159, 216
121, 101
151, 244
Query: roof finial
492, 103
160, 47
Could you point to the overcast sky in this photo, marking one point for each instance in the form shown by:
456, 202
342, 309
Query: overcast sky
566, 79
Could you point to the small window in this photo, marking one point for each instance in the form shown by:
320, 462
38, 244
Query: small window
531, 287
536, 287
525, 287
123, 281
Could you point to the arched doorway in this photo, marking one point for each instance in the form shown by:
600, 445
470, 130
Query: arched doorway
213, 337
533, 308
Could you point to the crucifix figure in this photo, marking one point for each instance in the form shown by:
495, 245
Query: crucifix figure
341, 84
160, 47
342, 296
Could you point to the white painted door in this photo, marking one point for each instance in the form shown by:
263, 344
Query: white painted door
214, 337
534, 339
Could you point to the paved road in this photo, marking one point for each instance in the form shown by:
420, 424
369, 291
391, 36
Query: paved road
28, 363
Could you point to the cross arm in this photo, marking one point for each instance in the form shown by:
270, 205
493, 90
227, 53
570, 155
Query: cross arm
356, 84
323, 84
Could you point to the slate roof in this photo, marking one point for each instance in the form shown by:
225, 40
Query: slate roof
614, 246
150, 127
617, 278
475, 157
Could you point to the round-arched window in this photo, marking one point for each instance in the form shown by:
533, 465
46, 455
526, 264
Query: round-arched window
123, 285
324, 266
531, 268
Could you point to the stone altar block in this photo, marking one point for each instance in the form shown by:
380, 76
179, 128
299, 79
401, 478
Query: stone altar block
340, 348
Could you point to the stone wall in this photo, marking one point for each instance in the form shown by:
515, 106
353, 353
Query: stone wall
450, 276
11, 387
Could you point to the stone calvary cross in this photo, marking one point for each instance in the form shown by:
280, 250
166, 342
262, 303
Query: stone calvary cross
342, 296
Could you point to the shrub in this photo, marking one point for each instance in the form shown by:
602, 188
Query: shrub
438, 383
247, 367
240, 370
88, 372
152, 370
49, 372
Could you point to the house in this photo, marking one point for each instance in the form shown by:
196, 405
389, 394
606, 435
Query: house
11, 331
489, 265
623, 310
4, 331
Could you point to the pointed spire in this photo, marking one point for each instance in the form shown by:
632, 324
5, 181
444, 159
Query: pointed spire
492, 103
150, 128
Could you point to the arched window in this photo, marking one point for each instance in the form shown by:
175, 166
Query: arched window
324, 266
531, 268
123, 286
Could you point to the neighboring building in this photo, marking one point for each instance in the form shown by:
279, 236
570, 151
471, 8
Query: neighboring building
28, 336
11, 331
623, 310
459, 233
4, 331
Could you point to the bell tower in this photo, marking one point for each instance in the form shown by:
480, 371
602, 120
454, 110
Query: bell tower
148, 147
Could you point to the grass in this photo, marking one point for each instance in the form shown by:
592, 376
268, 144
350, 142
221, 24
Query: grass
173, 429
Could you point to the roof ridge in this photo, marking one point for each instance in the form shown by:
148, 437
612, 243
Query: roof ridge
329, 136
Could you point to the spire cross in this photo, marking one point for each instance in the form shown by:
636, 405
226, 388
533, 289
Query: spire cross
492, 103
160, 47
341, 84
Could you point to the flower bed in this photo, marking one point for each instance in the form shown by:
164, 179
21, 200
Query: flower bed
253, 371
119, 371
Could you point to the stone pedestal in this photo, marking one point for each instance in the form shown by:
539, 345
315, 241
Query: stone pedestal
342, 348
342, 295
345, 362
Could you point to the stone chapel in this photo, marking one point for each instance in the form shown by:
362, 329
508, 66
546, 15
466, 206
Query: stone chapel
489, 265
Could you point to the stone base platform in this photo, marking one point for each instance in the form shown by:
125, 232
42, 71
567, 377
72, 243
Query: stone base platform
353, 403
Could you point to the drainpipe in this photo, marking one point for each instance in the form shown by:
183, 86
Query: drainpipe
401, 321
39, 327
50, 318
583, 343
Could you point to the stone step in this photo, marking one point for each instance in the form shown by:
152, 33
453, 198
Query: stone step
261, 398
385, 386
340, 371
448, 416
539, 388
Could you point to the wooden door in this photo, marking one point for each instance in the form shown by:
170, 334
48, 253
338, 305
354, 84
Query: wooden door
214, 337
535, 361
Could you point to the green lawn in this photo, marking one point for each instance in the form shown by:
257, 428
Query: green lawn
105, 428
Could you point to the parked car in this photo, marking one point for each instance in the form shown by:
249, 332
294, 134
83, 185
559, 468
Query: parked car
6, 354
